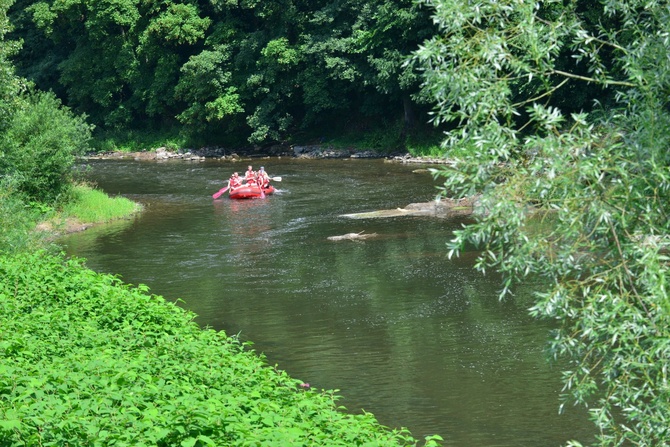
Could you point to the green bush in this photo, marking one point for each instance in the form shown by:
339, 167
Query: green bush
87, 360
40, 145
17, 220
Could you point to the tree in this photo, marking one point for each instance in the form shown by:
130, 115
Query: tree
386, 36
39, 138
357, 54
577, 196
11, 86
117, 60
205, 84
257, 70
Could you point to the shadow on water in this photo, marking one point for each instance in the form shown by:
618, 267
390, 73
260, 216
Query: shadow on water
419, 340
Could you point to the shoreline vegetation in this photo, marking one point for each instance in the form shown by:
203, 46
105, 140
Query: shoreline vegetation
89, 207
569, 116
98, 362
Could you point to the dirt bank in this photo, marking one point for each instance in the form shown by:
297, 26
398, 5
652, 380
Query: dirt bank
54, 228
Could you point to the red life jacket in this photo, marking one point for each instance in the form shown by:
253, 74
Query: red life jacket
263, 179
235, 181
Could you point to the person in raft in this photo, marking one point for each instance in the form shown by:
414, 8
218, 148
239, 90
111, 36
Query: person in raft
234, 181
250, 176
262, 178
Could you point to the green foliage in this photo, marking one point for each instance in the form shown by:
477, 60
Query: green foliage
261, 71
17, 220
180, 24
11, 86
135, 141
597, 183
40, 145
280, 51
207, 89
382, 137
425, 140
87, 360
91, 205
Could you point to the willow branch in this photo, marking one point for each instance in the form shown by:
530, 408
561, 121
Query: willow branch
547, 93
587, 79
606, 43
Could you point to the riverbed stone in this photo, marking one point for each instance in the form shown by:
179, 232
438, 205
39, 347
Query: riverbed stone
313, 151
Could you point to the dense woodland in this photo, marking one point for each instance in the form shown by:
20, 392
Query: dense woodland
243, 71
228, 71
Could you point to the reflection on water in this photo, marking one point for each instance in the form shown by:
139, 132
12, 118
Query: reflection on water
419, 340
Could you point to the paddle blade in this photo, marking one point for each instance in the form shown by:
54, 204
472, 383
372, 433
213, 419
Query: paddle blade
276, 179
217, 194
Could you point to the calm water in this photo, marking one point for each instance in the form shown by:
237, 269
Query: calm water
419, 340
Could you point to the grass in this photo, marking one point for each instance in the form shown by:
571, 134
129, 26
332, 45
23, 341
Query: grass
424, 148
92, 205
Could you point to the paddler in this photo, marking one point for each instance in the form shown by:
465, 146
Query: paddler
250, 176
262, 178
234, 181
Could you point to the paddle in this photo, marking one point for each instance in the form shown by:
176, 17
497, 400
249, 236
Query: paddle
216, 195
275, 179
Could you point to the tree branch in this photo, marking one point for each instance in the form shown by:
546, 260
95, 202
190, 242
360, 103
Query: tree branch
547, 93
584, 78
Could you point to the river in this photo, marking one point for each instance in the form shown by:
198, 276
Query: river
403, 332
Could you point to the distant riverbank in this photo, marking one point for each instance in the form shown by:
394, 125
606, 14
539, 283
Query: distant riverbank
294, 151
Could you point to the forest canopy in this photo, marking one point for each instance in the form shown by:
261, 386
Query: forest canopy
222, 71
240, 72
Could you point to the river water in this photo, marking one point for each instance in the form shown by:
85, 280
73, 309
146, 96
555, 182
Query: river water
403, 332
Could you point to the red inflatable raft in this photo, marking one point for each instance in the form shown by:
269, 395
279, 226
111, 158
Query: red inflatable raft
250, 192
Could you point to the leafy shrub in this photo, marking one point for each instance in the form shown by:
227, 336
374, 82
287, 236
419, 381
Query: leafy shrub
17, 219
40, 146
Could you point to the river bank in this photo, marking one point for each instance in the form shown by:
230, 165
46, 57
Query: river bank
87, 208
94, 361
293, 151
